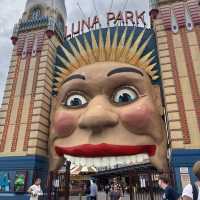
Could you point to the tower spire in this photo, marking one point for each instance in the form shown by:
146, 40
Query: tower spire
58, 7
49, 14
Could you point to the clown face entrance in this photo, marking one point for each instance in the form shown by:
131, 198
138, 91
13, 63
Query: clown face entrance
136, 183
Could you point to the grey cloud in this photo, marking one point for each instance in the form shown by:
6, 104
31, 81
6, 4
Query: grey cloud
11, 11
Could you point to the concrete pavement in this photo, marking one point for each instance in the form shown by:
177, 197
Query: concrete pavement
101, 196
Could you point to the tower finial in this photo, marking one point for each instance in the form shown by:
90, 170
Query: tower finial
58, 7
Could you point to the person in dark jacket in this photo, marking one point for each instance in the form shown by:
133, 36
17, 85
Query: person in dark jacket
107, 189
87, 190
169, 192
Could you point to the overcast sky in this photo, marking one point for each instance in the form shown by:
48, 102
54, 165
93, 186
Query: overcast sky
11, 11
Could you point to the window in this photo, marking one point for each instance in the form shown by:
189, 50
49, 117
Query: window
36, 13
13, 181
4, 182
20, 181
60, 23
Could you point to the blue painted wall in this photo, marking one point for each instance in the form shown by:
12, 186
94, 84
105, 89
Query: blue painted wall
35, 166
183, 158
13, 197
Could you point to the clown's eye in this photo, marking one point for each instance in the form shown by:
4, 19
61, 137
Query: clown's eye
75, 101
125, 96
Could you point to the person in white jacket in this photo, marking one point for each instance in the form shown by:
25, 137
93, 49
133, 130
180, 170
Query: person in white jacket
35, 190
192, 192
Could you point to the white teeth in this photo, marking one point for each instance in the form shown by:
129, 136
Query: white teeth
105, 161
134, 159
142, 158
82, 161
146, 157
139, 158
113, 161
90, 162
77, 160
108, 162
98, 162
67, 157
120, 160
126, 159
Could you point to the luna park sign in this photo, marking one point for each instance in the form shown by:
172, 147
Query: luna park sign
122, 17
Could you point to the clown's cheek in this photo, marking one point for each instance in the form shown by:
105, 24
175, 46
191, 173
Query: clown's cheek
137, 118
64, 123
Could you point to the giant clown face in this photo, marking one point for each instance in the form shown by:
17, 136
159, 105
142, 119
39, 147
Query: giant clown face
107, 113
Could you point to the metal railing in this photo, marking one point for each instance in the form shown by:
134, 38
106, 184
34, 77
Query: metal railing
142, 183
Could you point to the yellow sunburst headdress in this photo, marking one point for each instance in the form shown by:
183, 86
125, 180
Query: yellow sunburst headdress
82, 51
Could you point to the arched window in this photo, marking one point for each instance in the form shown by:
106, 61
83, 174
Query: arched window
60, 23
36, 13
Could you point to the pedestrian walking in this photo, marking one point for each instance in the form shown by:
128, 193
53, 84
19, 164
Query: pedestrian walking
93, 190
107, 189
115, 193
35, 190
192, 191
123, 190
169, 192
87, 190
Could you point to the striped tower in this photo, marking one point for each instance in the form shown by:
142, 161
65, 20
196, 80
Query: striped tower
24, 115
177, 26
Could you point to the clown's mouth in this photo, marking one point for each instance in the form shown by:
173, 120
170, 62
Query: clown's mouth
101, 155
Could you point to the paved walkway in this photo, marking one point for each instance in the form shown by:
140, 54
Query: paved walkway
101, 196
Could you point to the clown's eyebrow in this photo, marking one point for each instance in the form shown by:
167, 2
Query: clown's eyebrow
124, 69
75, 76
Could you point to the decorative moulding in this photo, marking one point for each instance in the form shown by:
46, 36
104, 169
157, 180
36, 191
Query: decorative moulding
174, 24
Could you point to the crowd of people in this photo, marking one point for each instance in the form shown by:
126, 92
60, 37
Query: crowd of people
115, 191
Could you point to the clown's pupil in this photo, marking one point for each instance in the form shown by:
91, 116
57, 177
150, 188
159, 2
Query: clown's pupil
125, 98
125, 95
76, 102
